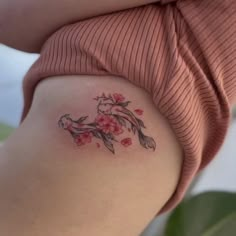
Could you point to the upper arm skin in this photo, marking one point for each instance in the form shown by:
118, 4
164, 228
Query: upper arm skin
26, 24
50, 186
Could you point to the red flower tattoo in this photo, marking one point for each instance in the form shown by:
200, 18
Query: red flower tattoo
83, 138
108, 124
112, 119
117, 130
118, 97
126, 142
101, 120
79, 141
86, 137
139, 112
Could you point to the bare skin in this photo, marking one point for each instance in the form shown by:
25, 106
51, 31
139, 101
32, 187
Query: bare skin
50, 186
26, 24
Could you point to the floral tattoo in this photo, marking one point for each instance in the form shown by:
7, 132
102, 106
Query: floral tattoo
113, 118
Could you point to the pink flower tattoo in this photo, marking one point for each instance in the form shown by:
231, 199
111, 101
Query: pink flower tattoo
112, 119
126, 142
118, 97
139, 112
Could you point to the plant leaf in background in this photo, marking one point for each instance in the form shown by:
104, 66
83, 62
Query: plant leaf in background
226, 227
5, 131
206, 214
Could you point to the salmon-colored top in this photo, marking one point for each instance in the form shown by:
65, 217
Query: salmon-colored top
183, 53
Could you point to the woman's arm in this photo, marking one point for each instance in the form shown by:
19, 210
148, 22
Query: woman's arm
26, 24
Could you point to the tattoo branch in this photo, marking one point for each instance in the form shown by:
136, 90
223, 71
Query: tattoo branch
112, 119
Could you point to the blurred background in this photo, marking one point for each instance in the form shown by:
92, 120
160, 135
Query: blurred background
219, 175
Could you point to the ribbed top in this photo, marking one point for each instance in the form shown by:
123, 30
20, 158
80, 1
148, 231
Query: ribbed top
183, 53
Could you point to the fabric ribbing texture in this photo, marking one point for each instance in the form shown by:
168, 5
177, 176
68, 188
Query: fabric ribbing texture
182, 53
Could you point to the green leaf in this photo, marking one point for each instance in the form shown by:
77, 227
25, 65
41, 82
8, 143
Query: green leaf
203, 214
5, 131
225, 227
